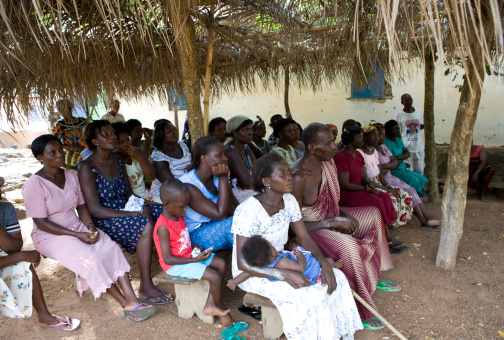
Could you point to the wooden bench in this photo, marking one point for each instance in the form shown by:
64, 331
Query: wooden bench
270, 317
190, 295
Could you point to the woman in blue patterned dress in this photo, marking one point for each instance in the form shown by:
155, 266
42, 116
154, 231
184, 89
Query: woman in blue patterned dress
106, 190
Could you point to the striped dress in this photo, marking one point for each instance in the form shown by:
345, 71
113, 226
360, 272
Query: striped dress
177, 166
364, 255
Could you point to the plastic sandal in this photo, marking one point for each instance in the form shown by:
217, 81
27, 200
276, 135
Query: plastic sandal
144, 312
383, 286
148, 299
64, 321
431, 229
371, 328
132, 318
236, 328
234, 337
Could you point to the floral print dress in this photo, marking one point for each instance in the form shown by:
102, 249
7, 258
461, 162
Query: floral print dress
308, 312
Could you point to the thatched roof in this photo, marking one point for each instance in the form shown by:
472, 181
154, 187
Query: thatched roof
78, 48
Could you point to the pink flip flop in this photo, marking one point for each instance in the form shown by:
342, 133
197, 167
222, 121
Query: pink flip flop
64, 322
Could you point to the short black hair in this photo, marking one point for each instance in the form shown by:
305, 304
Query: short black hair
200, 148
92, 131
310, 133
214, 122
171, 188
159, 133
275, 117
161, 120
256, 251
263, 168
121, 127
282, 124
389, 126
38, 145
133, 123
349, 134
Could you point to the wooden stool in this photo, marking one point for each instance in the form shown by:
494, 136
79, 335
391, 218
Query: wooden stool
270, 317
190, 295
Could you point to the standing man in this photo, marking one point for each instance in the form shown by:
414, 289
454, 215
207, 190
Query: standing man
410, 120
113, 115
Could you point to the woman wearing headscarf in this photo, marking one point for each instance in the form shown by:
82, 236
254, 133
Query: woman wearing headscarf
240, 156
259, 132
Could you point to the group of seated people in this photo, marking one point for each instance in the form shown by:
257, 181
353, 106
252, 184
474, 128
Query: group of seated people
231, 190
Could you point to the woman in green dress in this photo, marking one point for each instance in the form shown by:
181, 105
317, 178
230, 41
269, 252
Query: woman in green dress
400, 152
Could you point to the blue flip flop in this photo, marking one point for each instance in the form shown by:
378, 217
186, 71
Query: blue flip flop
236, 328
148, 299
431, 229
234, 337
141, 313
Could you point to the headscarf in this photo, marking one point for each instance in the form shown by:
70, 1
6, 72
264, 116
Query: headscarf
368, 128
257, 122
333, 128
235, 122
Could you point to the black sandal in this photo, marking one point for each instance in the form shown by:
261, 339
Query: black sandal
254, 312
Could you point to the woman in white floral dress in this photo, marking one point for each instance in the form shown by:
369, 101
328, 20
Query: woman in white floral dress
322, 311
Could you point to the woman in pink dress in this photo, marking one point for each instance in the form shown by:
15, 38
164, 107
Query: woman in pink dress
387, 162
51, 197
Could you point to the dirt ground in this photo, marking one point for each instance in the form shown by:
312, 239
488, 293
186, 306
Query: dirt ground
434, 303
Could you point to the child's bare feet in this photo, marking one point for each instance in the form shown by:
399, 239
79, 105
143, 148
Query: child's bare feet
231, 284
226, 320
215, 310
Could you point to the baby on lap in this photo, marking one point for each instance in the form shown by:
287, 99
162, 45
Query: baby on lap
257, 251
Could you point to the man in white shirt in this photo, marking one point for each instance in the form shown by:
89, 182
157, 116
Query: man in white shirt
113, 115
410, 120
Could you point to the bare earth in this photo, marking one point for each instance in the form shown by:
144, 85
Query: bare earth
465, 303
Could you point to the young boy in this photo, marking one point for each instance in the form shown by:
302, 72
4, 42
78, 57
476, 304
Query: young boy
410, 120
174, 248
257, 251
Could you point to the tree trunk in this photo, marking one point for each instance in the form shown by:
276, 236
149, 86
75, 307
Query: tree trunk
286, 93
208, 73
175, 111
430, 143
183, 27
455, 188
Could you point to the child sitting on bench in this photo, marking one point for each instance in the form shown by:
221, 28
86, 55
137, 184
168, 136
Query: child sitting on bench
174, 248
257, 251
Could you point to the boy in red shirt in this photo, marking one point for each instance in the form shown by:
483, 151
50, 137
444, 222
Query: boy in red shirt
174, 248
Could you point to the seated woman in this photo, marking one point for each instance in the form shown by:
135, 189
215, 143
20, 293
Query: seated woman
240, 156
136, 134
357, 190
171, 157
400, 198
272, 140
387, 162
20, 289
106, 190
287, 131
346, 124
259, 132
209, 212
355, 236
480, 173
334, 130
325, 310
137, 165
51, 197
217, 129
70, 131
396, 146
298, 145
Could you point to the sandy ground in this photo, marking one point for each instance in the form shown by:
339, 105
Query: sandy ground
434, 303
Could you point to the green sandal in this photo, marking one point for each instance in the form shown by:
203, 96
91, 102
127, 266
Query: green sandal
383, 286
236, 328
371, 328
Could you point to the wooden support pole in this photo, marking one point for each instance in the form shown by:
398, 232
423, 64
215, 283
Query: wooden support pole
208, 73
